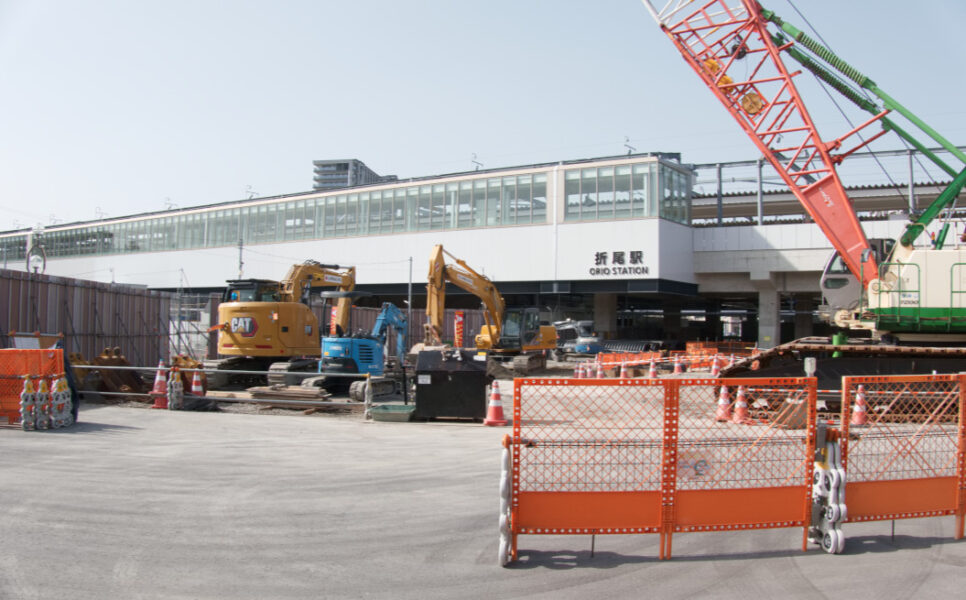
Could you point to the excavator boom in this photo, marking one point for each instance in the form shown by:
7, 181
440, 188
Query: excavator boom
462, 276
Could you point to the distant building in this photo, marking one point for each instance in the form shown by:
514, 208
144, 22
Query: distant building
342, 173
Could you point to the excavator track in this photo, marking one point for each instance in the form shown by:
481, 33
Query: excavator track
855, 358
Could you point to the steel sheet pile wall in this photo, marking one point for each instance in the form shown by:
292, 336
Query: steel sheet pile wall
907, 460
91, 315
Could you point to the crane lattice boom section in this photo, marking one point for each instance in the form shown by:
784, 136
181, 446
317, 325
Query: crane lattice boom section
726, 42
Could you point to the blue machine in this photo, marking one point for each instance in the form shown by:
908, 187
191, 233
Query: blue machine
364, 352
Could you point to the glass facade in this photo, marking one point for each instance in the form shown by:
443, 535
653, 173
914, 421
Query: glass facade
639, 187
627, 191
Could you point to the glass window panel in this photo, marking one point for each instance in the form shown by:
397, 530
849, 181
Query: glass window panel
539, 201
388, 211
374, 207
341, 215
642, 205
622, 191
524, 203
493, 202
439, 209
464, 204
479, 203
509, 199
412, 208
605, 193
362, 218
588, 194
425, 208
452, 206
572, 195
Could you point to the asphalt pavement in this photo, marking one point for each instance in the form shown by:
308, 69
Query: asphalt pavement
139, 503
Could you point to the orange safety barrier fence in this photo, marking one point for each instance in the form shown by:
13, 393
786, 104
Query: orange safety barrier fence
908, 459
635, 358
647, 456
678, 455
14, 365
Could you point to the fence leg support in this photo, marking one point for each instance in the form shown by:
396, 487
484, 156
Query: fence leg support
593, 540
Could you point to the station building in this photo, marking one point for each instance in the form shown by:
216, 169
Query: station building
632, 241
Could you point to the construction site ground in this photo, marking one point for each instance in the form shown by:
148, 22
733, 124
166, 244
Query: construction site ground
136, 503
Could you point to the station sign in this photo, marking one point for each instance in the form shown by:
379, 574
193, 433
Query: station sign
619, 263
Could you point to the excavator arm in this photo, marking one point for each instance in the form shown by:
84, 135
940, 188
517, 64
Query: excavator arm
311, 274
462, 276
391, 316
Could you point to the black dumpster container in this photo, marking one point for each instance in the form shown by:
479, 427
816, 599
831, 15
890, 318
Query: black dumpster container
450, 383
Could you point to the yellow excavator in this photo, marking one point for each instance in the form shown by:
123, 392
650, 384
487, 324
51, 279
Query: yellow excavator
267, 325
512, 337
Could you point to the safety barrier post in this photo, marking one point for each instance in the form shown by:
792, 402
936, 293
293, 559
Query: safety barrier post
961, 461
669, 465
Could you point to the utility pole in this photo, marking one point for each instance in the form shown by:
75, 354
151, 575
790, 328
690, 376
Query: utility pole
409, 303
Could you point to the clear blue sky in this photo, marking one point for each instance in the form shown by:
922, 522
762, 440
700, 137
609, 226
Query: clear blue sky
117, 107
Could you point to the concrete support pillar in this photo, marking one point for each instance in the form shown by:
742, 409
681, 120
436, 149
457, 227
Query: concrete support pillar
672, 324
605, 315
769, 322
804, 306
712, 319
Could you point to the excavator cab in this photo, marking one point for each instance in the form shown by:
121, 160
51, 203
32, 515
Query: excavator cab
251, 290
522, 330
842, 290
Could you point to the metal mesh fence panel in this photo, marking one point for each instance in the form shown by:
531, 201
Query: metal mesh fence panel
582, 435
766, 448
911, 430
903, 447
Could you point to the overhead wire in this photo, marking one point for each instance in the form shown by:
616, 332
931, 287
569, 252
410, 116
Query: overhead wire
832, 98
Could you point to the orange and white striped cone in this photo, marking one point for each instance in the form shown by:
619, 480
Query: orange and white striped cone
600, 370
494, 409
723, 412
741, 415
860, 411
652, 371
715, 367
731, 363
197, 389
625, 374
160, 390
677, 366
578, 371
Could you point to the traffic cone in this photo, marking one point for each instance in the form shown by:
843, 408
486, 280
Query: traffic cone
600, 370
731, 363
196, 388
861, 410
652, 372
578, 371
741, 415
677, 366
494, 410
160, 390
723, 412
715, 367
624, 372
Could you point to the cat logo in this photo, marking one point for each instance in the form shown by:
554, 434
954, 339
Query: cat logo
244, 326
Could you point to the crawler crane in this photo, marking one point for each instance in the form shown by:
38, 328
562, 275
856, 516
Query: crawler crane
907, 296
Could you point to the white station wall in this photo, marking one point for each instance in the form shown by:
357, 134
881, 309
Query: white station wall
631, 249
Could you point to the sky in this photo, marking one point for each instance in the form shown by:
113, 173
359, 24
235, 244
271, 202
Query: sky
112, 107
